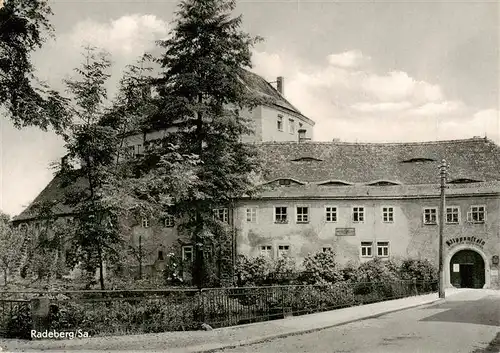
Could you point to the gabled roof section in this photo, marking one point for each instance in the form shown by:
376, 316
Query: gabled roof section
54, 192
259, 85
362, 163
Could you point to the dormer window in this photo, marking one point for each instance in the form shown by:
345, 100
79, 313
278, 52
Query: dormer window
463, 181
307, 159
284, 182
334, 183
419, 160
383, 183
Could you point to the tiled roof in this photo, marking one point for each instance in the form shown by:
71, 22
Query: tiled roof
264, 88
53, 192
477, 159
359, 163
313, 191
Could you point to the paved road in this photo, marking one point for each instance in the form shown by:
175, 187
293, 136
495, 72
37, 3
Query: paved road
468, 322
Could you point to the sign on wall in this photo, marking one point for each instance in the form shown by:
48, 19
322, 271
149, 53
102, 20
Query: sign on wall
456, 267
345, 232
465, 240
494, 272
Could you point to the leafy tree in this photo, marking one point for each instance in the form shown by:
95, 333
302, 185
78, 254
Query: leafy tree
46, 243
11, 247
91, 164
24, 25
200, 94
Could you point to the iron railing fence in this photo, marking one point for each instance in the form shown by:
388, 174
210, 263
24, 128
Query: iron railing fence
115, 312
234, 306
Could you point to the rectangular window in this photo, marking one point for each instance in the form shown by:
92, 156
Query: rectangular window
160, 256
139, 149
187, 253
145, 223
452, 215
430, 215
291, 126
280, 215
358, 214
280, 123
477, 214
302, 214
283, 250
383, 248
266, 251
366, 249
388, 214
252, 215
331, 214
169, 221
221, 214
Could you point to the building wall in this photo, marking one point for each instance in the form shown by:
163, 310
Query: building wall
255, 115
408, 236
270, 130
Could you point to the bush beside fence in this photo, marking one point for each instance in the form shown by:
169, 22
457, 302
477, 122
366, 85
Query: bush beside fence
102, 313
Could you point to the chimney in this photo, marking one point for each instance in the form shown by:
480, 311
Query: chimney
280, 85
302, 135
64, 162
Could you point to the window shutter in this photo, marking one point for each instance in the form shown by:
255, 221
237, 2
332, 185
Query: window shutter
469, 216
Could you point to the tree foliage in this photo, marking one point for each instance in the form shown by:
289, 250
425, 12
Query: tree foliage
91, 161
24, 26
11, 247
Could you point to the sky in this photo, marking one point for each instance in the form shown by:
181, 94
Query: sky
365, 71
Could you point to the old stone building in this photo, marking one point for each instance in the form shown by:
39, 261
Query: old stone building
366, 200
363, 200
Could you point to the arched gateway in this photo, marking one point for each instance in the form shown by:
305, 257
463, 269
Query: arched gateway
467, 267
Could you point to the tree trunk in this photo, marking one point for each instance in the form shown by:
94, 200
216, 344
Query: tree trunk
5, 277
140, 257
101, 271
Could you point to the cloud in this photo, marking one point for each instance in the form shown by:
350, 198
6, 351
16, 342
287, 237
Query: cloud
437, 109
381, 107
397, 85
356, 103
127, 36
348, 59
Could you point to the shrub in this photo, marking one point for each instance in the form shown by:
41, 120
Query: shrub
422, 270
283, 271
19, 323
252, 271
321, 268
260, 271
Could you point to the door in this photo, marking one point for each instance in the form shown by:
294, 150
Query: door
466, 275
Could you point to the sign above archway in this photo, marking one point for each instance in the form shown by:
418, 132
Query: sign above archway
465, 240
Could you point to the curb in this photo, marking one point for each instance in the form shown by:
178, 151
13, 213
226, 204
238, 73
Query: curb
267, 338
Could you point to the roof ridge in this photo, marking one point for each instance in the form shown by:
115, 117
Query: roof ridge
473, 139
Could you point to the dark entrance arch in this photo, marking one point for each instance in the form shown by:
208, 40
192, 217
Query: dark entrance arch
467, 269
